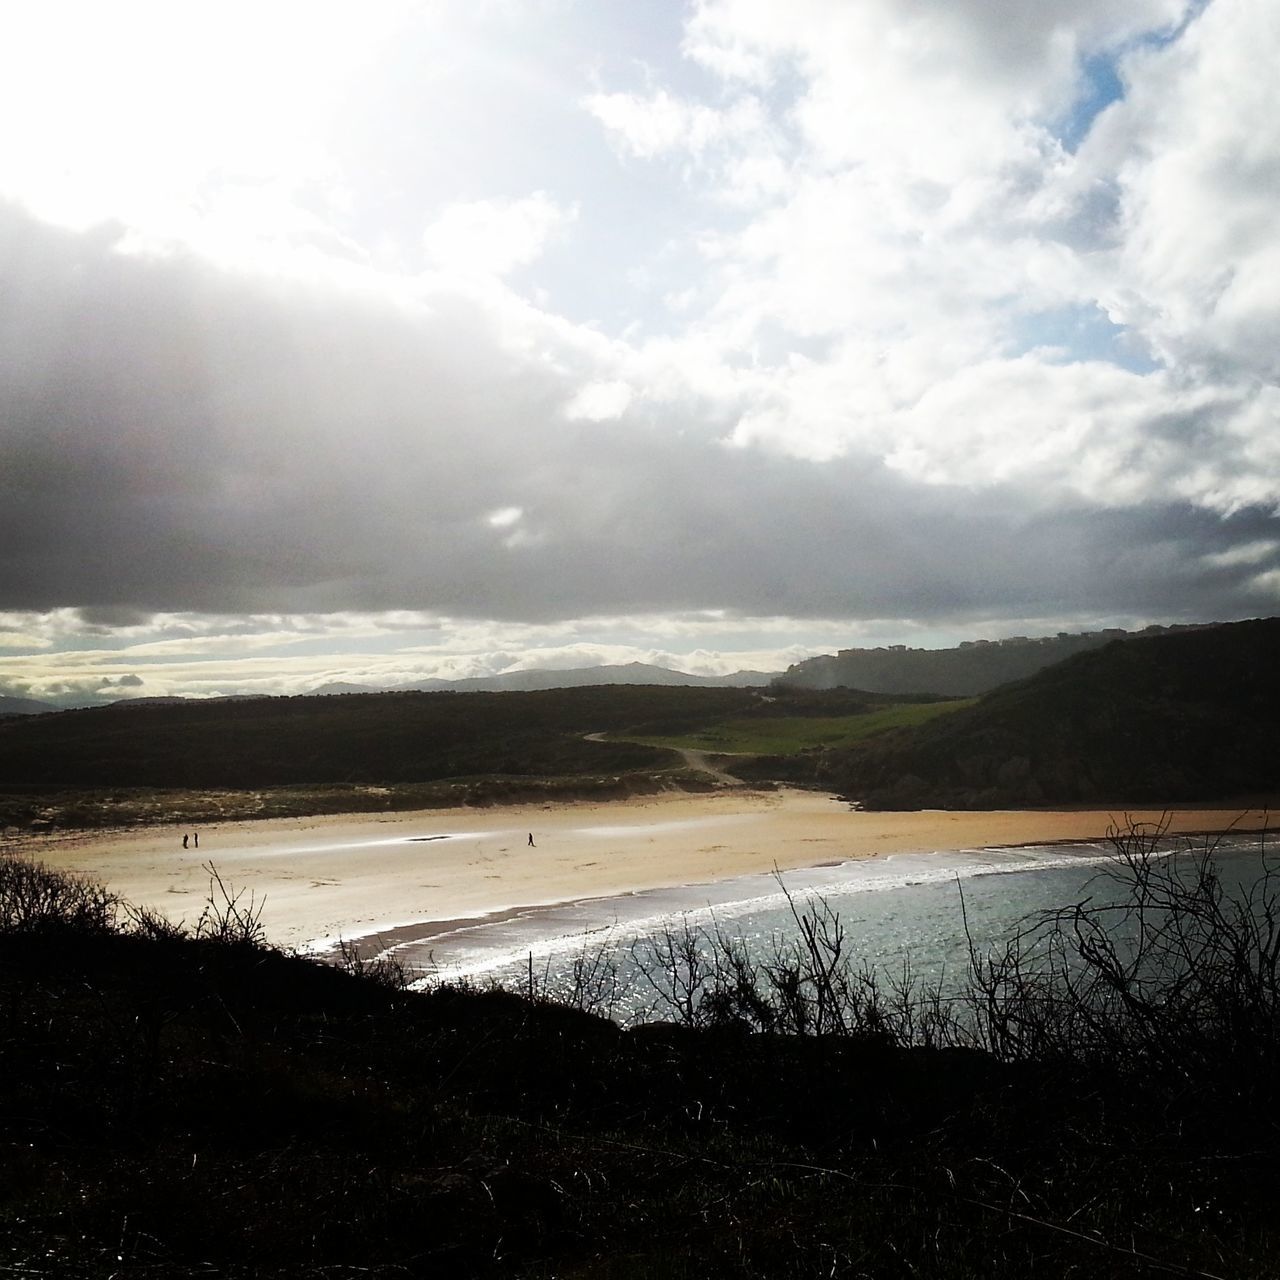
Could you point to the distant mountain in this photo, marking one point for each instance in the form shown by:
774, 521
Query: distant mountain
14, 706
1156, 719
972, 668
156, 701
574, 677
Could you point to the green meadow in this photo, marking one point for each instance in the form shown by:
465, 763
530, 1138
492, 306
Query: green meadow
787, 735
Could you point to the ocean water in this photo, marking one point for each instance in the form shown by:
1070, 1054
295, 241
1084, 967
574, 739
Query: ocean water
918, 910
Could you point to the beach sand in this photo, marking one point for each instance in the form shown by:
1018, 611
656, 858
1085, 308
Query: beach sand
350, 876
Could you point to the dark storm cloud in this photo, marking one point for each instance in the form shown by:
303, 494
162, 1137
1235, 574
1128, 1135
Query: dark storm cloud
176, 438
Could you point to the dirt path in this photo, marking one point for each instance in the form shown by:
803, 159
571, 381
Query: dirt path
699, 762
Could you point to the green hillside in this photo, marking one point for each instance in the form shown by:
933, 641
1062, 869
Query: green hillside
370, 738
187, 761
786, 735
1180, 717
974, 667
393, 738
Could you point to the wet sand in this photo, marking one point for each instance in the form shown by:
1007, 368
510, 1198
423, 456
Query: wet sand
349, 876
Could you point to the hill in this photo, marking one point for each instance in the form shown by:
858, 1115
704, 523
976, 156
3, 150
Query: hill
1177, 717
363, 738
189, 760
568, 678
975, 667
11, 705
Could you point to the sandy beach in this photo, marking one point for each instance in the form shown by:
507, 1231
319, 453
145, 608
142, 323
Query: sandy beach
350, 876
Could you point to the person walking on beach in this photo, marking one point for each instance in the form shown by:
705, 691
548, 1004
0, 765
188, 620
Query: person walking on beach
185, 839
531, 844
196, 838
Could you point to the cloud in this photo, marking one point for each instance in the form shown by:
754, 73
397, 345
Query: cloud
1247, 553
599, 402
286, 655
293, 452
950, 333
935, 223
1196, 164
1016, 54
155, 113
505, 517
738, 141
490, 236
649, 126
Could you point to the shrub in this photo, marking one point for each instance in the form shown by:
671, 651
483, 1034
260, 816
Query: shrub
1172, 973
1169, 972
228, 917
386, 969
807, 983
34, 898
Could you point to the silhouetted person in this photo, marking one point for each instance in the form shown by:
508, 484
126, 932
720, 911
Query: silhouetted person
185, 839
196, 837
531, 844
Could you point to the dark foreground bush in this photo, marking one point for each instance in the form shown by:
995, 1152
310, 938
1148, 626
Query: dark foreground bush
35, 898
1162, 969
1163, 972
181, 1105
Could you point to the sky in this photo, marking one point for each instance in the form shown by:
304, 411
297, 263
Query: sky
370, 343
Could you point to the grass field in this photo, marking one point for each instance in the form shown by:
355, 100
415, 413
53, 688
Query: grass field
785, 735
204, 761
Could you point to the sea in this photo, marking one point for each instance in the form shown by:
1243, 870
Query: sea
923, 912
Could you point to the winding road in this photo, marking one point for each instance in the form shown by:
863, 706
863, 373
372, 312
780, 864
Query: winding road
698, 761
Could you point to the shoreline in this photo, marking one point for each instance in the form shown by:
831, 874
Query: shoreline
431, 871
411, 934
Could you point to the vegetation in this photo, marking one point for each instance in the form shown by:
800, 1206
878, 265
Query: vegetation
353, 753
785, 735
356, 738
46, 808
187, 1103
272, 757
975, 667
1174, 718
1171, 718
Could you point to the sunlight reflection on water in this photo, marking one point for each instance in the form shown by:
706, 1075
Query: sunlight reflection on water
901, 908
